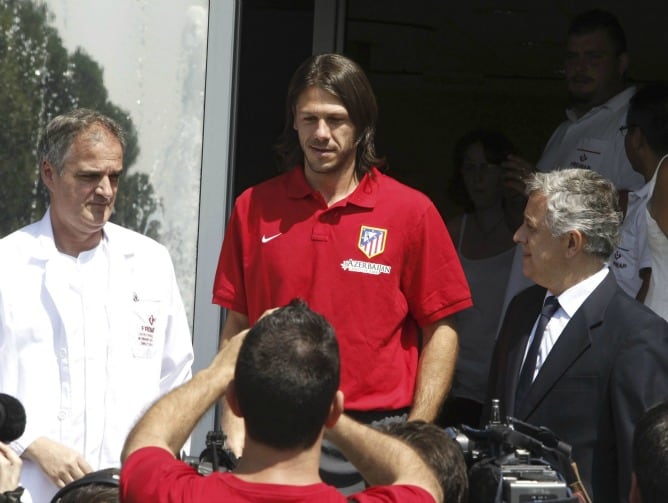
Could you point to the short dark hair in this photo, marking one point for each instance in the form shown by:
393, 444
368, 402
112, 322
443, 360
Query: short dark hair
648, 110
440, 451
60, 132
100, 486
345, 79
650, 454
286, 377
92, 494
599, 19
496, 147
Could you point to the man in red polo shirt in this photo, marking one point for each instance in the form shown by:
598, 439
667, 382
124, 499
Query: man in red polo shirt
369, 253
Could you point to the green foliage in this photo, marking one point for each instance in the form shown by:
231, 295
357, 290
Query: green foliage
137, 205
39, 80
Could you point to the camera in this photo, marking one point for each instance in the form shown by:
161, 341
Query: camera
513, 462
216, 457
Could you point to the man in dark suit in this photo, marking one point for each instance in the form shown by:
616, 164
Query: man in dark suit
600, 359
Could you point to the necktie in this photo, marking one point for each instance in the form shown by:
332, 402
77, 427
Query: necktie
526, 375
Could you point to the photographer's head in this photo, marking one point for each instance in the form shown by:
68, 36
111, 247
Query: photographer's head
286, 378
96, 487
650, 457
441, 452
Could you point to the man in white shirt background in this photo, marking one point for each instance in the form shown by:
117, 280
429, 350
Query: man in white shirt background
595, 68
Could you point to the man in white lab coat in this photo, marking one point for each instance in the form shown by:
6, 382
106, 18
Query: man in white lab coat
92, 325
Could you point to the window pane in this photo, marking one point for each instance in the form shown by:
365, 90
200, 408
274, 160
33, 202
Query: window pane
141, 62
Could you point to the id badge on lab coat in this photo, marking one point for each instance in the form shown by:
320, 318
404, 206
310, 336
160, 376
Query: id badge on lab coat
147, 326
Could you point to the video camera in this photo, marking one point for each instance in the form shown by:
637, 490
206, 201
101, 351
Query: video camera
215, 457
513, 462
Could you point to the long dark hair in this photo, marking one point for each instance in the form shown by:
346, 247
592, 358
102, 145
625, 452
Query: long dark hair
344, 79
496, 147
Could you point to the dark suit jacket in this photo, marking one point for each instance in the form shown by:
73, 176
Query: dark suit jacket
609, 365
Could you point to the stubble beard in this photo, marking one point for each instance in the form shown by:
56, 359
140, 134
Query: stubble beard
335, 167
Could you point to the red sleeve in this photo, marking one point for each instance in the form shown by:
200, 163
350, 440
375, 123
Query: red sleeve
433, 279
228, 287
393, 494
153, 474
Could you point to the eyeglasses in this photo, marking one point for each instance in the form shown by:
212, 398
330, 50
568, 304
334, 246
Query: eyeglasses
625, 128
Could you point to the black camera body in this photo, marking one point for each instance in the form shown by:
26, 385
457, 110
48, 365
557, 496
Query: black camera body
531, 482
216, 457
514, 462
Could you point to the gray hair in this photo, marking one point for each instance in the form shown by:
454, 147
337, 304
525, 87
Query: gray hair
61, 131
583, 200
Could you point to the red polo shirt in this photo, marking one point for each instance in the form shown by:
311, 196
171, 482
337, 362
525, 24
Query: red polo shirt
153, 475
376, 264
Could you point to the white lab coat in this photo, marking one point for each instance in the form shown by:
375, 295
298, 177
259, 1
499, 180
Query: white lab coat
42, 354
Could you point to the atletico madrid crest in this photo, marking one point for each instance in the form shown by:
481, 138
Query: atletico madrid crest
372, 241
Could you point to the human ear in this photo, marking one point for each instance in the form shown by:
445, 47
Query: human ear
576, 241
335, 409
48, 173
232, 399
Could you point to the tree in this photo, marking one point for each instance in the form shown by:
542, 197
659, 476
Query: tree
39, 80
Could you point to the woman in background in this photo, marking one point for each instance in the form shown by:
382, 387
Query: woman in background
492, 196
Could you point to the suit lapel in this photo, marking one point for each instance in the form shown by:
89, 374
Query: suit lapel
573, 341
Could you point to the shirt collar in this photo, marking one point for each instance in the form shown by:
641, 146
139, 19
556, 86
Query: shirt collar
296, 185
613, 104
572, 298
47, 242
364, 195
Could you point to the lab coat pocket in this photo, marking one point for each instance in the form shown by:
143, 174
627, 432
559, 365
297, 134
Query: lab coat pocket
147, 327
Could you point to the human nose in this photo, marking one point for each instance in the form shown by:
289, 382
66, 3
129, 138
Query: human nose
583, 63
322, 130
479, 172
519, 236
579, 62
104, 187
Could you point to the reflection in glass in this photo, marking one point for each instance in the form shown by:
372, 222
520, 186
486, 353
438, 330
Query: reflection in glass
140, 62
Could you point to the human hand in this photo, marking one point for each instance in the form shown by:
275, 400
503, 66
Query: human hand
581, 497
60, 463
226, 359
267, 312
10, 469
225, 362
516, 172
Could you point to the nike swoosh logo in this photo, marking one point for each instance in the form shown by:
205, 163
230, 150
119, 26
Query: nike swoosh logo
266, 239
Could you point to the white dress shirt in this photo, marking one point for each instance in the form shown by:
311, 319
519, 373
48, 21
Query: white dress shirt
594, 142
569, 302
632, 253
